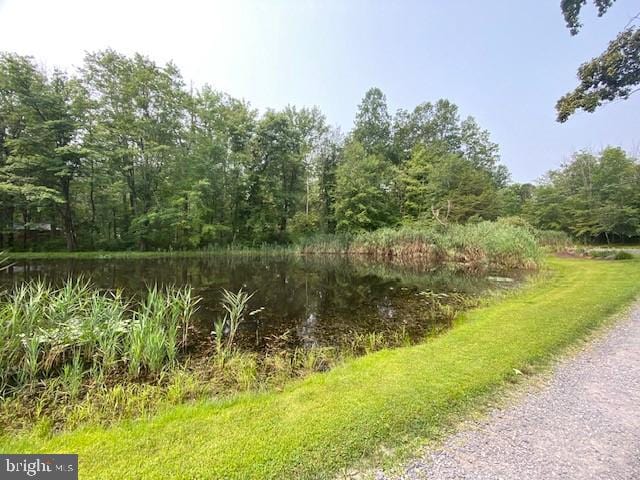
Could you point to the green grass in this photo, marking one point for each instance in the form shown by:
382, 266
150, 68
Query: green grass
317, 426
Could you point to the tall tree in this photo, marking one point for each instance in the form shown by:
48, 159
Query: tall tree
428, 124
43, 159
595, 197
329, 158
140, 116
372, 128
468, 193
276, 177
365, 197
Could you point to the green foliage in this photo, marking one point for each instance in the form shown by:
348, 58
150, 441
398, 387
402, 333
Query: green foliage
513, 197
554, 240
437, 125
611, 254
365, 191
622, 255
571, 11
612, 75
415, 176
594, 198
496, 243
41, 121
235, 306
464, 191
120, 155
372, 127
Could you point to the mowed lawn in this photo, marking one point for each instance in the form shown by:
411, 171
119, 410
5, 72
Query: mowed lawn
327, 422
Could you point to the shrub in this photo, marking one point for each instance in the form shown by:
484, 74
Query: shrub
554, 240
622, 255
610, 254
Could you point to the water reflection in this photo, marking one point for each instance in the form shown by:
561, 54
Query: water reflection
308, 301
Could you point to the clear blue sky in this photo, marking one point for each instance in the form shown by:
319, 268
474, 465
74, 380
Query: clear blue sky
506, 62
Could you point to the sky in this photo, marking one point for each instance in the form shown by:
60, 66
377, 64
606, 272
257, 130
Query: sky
505, 62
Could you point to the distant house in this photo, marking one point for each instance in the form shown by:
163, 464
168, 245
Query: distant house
34, 227
32, 232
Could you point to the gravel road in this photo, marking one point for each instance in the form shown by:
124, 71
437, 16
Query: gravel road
583, 424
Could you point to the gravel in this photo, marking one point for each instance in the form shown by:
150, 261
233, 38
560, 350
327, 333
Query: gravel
583, 424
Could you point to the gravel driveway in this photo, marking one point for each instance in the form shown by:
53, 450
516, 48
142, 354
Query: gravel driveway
585, 424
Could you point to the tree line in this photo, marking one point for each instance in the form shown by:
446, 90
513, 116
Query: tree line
121, 154
593, 197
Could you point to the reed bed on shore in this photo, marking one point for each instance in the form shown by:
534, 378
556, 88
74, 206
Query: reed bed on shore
473, 246
76, 332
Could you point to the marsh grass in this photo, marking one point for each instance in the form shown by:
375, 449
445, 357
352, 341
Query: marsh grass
500, 244
473, 246
76, 330
553, 240
74, 355
71, 400
226, 328
229, 250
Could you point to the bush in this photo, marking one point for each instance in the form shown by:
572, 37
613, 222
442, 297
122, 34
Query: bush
622, 255
610, 254
554, 240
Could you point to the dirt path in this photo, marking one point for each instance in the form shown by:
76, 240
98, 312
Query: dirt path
585, 424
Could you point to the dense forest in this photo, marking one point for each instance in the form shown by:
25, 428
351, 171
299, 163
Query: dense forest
121, 154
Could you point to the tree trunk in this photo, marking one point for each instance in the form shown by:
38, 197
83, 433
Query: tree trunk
93, 206
115, 231
10, 237
25, 229
67, 217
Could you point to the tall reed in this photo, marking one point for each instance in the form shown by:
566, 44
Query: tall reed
474, 245
235, 306
48, 332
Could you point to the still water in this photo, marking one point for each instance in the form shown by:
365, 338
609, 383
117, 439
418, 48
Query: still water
307, 301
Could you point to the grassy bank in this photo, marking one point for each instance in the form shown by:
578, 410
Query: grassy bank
319, 425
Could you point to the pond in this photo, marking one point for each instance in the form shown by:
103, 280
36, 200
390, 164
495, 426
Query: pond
306, 300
